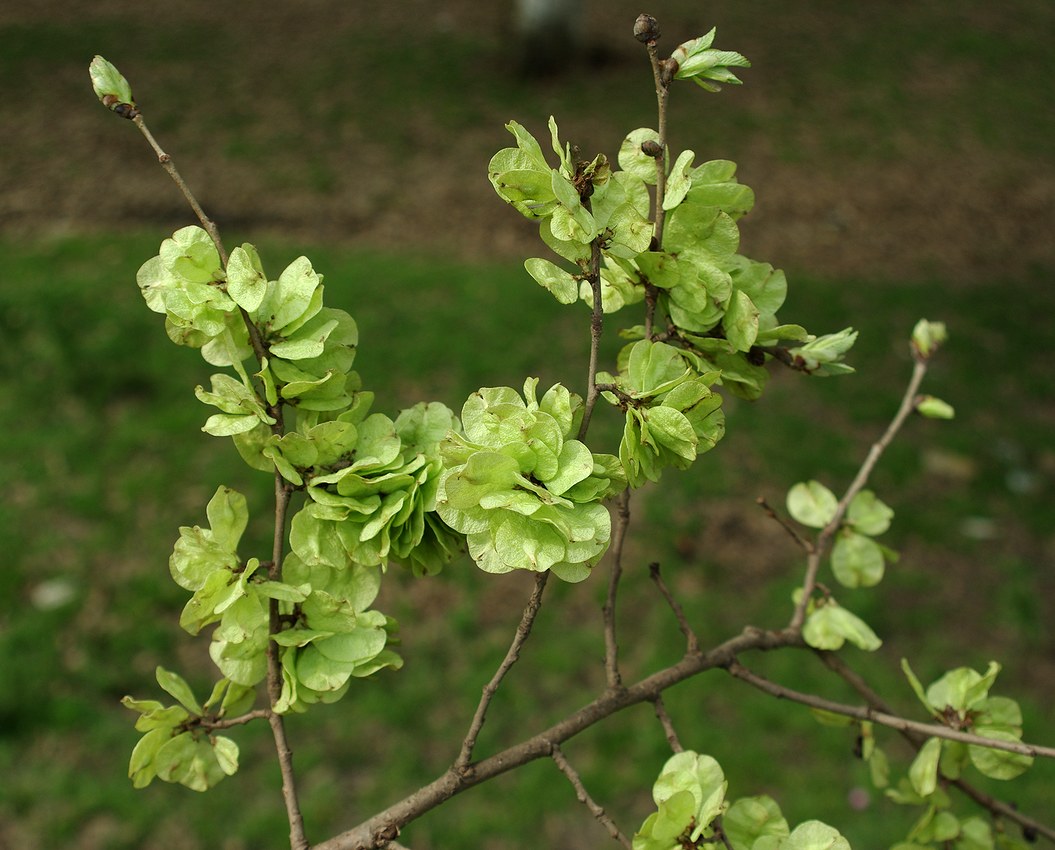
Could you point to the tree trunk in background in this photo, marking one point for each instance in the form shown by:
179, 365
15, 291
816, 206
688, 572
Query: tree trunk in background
548, 34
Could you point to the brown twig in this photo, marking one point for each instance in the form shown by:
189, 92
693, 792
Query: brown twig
297, 838
800, 541
165, 161
453, 781
931, 730
692, 642
584, 797
230, 723
461, 764
667, 724
611, 646
662, 94
820, 546
916, 740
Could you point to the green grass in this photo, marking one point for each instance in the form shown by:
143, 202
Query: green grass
104, 459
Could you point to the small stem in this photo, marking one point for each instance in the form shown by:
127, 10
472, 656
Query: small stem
662, 94
692, 642
801, 541
819, 548
461, 764
667, 724
651, 296
166, 162
297, 838
611, 646
230, 723
259, 349
584, 797
596, 329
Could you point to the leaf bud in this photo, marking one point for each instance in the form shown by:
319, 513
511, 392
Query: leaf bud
652, 148
646, 29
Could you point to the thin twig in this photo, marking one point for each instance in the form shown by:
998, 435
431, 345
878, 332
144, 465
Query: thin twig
931, 730
692, 642
230, 723
259, 349
916, 740
584, 797
297, 838
719, 833
662, 94
596, 331
667, 724
611, 646
800, 541
166, 162
813, 562
452, 782
461, 764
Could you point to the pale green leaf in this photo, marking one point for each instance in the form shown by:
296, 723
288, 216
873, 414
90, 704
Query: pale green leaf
679, 180
561, 284
857, 561
998, 764
814, 835
741, 321
812, 504
923, 773
246, 282
868, 515
107, 80
632, 160
751, 818
174, 684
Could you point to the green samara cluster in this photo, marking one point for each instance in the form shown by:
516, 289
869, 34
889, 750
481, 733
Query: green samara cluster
526, 494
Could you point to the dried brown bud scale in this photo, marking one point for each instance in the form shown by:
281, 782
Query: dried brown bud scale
667, 69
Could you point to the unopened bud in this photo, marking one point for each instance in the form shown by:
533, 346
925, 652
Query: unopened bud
652, 148
646, 29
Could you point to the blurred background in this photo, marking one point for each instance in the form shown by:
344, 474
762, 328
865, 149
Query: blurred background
902, 157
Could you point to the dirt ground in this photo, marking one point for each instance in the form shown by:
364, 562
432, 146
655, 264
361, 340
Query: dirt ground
372, 125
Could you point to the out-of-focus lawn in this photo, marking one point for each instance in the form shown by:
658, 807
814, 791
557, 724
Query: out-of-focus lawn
104, 459
291, 122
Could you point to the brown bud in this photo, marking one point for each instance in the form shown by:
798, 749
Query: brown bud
652, 148
125, 110
646, 29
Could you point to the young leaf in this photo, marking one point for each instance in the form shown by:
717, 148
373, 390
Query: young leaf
998, 764
246, 282
923, 773
928, 336
868, 515
751, 818
857, 561
934, 408
632, 159
174, 684
812, 504
814, 835
561, 284
107, 81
